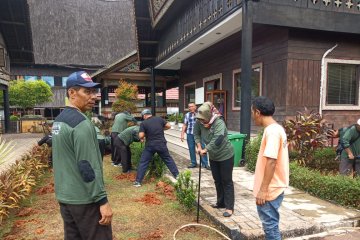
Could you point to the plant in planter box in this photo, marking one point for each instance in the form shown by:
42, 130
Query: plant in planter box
180, 120
172, 120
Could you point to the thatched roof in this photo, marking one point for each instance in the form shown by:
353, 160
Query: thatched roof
58, 99
81, 32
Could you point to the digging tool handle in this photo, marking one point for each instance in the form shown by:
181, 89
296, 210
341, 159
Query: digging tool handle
198, 203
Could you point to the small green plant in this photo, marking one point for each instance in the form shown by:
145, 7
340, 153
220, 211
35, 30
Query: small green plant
180, 118
305, 134
251, 151
156, 167
172, 118
186, 189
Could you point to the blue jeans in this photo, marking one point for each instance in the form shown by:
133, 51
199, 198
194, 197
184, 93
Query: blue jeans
191, 144
269, 216
147, 155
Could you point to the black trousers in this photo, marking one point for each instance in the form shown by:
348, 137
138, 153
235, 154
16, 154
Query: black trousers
115, 153
102, 147
125, 155
222, 174
81, 222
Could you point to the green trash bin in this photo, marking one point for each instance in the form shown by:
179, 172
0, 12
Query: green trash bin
237, 140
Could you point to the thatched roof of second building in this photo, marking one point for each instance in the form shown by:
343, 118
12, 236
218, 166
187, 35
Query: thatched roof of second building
81, 32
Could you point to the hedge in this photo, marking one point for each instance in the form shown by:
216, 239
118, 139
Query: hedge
339, 189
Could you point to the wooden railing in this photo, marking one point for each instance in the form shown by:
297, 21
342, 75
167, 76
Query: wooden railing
347, 6
196, 19
202, 14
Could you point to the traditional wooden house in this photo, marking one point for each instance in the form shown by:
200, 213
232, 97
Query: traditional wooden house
299, 53
72, 35
15, 48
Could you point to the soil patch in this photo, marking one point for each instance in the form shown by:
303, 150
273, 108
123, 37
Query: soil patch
150, 199
166, 189
128, 176
24, 212
46, 189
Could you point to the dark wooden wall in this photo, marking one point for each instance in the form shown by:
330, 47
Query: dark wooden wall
291, 73
269, 48
306, 49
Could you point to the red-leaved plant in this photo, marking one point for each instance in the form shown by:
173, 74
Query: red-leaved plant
306, 134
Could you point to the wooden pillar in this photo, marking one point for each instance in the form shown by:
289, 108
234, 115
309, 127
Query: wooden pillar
164, 97
6, 109
246, 60
153, 95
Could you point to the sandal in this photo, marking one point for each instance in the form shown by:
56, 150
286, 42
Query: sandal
227, 214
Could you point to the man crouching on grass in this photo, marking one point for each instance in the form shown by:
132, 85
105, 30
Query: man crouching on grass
272, 167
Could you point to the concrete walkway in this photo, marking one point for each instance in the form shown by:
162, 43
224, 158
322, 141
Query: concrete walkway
301, 214
23, 143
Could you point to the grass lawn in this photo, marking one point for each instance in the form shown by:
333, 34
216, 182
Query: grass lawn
148, 212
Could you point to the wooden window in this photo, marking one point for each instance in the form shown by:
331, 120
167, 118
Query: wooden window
256, 77
342, 85
189, 93
213, 82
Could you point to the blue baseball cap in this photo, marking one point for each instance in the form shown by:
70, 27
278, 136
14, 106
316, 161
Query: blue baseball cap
81, 79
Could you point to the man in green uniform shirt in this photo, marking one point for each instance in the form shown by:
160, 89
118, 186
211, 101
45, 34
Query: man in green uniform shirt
78, 171
127, 137
121, 121
349, 140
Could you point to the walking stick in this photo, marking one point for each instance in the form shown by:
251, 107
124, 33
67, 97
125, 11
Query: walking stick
198, 203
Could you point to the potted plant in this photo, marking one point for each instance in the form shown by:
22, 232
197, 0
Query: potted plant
172, 120
180, 120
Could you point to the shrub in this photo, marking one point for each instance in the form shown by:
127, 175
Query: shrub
305, 134
186, 189
156, 167
172, 117
17, 183
324, 159
14, 118
340, 189
251, 152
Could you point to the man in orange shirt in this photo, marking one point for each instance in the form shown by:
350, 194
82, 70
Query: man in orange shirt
272, 167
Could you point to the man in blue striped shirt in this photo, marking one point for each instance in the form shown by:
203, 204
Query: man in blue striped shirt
188, 127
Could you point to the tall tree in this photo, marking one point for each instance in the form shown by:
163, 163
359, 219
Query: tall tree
126, 93
27, 95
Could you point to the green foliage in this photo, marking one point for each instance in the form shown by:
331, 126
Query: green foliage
28, 94
305, 134
156, 167
186, 190
340, 189
14, 118
324, 160
180, 118
251, 152
126, 93
172, 117
5, 149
